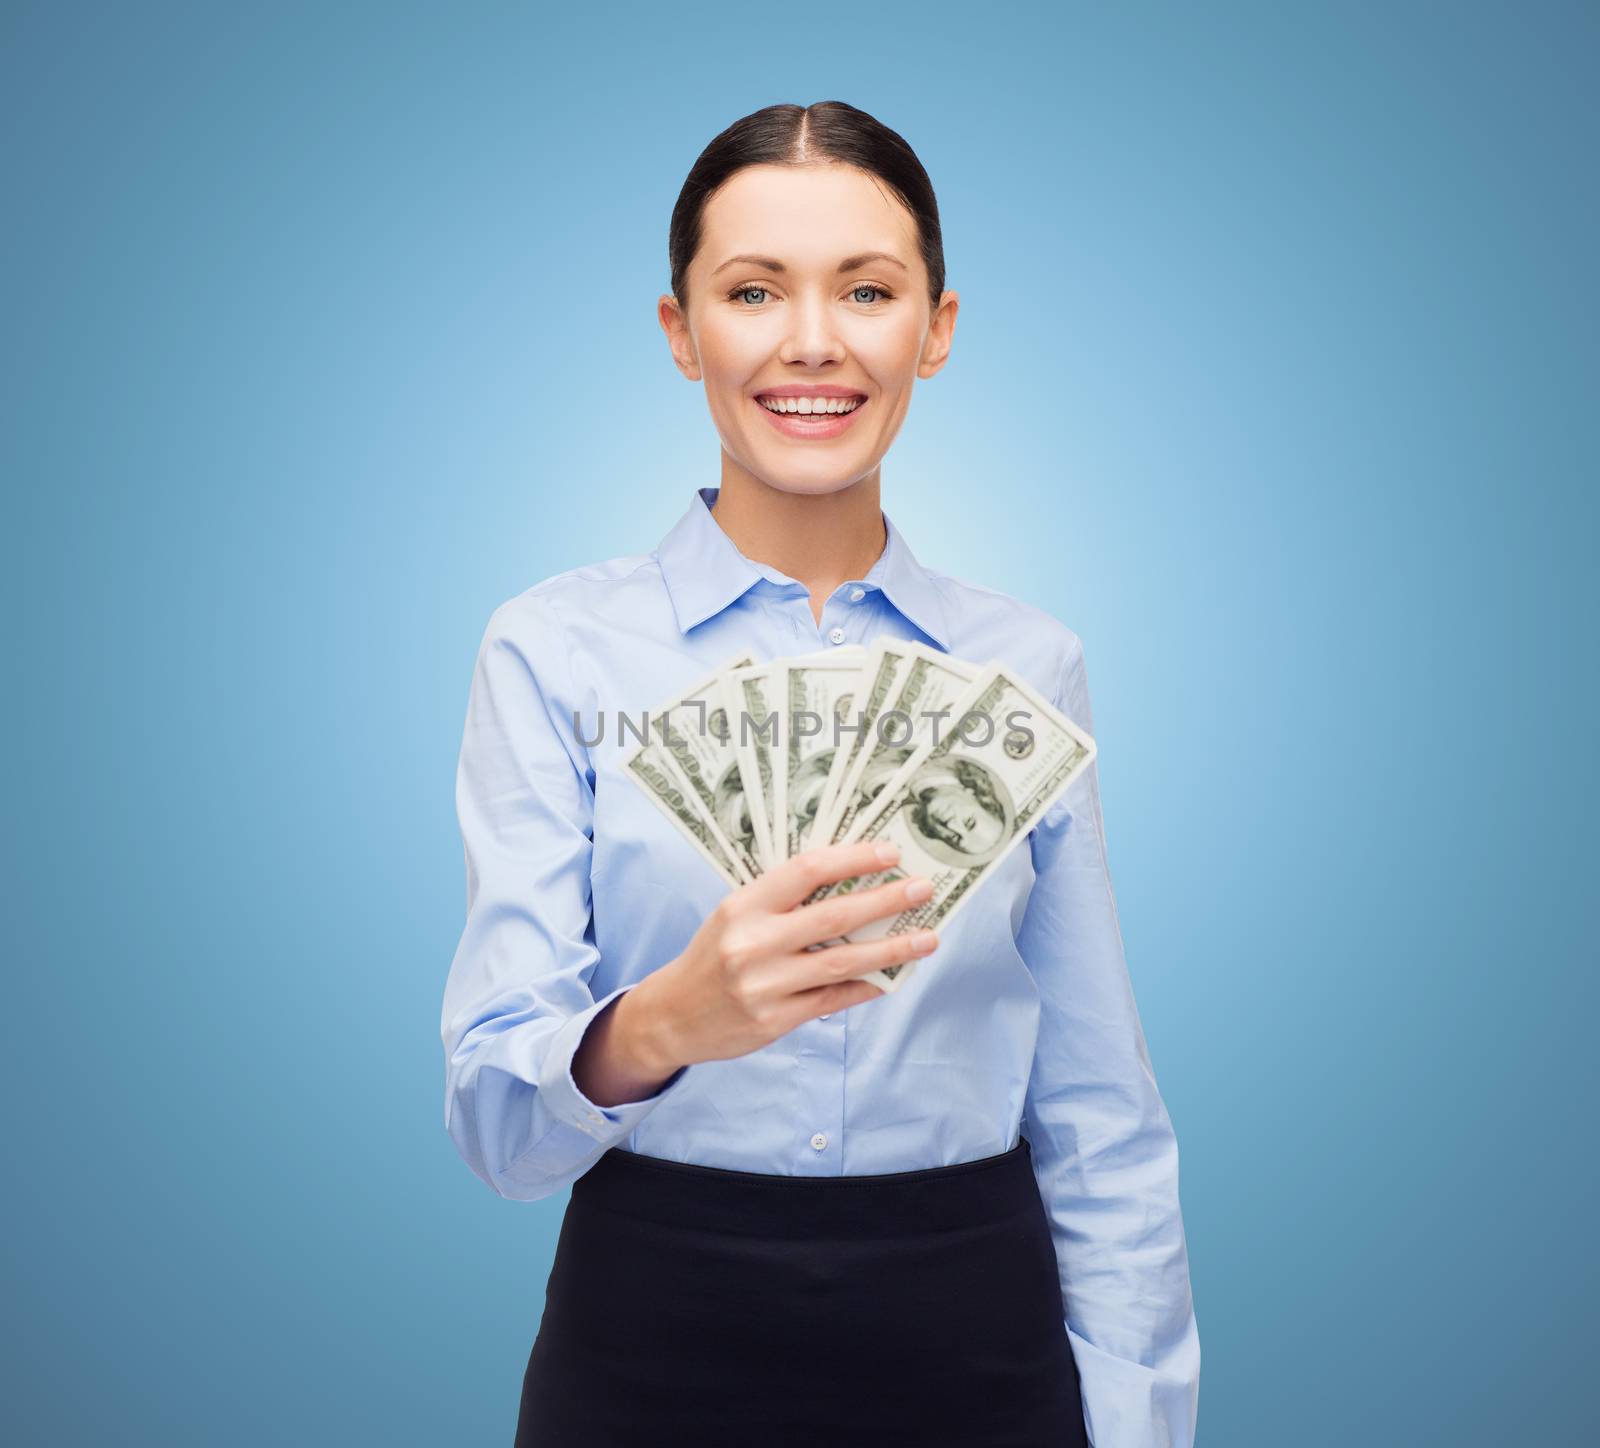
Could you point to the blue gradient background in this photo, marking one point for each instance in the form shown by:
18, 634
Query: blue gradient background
327, 329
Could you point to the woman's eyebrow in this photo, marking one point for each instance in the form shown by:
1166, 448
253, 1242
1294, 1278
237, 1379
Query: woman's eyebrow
850, 263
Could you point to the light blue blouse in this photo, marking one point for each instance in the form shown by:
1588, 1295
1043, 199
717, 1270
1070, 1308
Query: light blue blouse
1022, 1021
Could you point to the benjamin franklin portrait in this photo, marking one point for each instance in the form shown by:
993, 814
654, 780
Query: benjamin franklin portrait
877, 772
959, 812
805, 790
732, 809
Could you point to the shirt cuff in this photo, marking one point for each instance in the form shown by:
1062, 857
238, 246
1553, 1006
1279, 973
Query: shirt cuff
1126, 1402
567, 1103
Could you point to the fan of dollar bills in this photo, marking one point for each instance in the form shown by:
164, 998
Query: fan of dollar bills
953, 761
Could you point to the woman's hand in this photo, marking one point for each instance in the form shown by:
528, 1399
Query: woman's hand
747, 978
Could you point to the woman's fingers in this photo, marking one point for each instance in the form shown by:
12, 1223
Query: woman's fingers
838, 964
825, 1000
840, 914
772, 926
786, 884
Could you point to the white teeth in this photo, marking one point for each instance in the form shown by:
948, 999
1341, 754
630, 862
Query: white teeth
805, 405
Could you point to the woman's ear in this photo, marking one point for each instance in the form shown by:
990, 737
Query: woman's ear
679, 338
941, 332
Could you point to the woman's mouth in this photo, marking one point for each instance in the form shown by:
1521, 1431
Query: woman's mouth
815, 418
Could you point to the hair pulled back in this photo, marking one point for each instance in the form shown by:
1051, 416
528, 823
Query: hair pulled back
819, 134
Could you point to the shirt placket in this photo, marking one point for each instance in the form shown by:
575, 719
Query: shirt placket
820, 1059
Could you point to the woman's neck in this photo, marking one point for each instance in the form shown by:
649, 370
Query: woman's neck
820, 539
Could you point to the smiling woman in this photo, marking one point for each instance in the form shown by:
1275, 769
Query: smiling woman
803, 1210
807, 263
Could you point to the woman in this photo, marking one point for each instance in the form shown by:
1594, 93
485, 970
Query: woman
802, 1210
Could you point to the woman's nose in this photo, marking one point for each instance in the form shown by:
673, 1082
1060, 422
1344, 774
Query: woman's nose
813, 335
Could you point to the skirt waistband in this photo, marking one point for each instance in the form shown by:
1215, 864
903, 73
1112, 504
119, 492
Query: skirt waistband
878, 1205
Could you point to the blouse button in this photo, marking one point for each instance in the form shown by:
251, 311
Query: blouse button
837, 635
857, 594
819, 1141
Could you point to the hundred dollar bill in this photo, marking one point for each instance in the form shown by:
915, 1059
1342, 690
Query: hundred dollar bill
882, 666
653, 771
921, 706
817, 689
693, 729
959, 805
755, 721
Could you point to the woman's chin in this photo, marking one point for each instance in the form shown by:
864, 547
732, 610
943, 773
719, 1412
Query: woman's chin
809, 484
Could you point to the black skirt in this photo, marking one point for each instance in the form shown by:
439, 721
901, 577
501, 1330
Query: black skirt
696, 1305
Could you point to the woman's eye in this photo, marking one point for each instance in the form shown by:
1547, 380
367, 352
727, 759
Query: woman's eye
876, 293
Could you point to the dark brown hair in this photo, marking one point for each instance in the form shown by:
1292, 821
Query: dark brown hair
789, 135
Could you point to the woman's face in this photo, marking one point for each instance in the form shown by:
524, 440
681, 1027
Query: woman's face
773, 305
